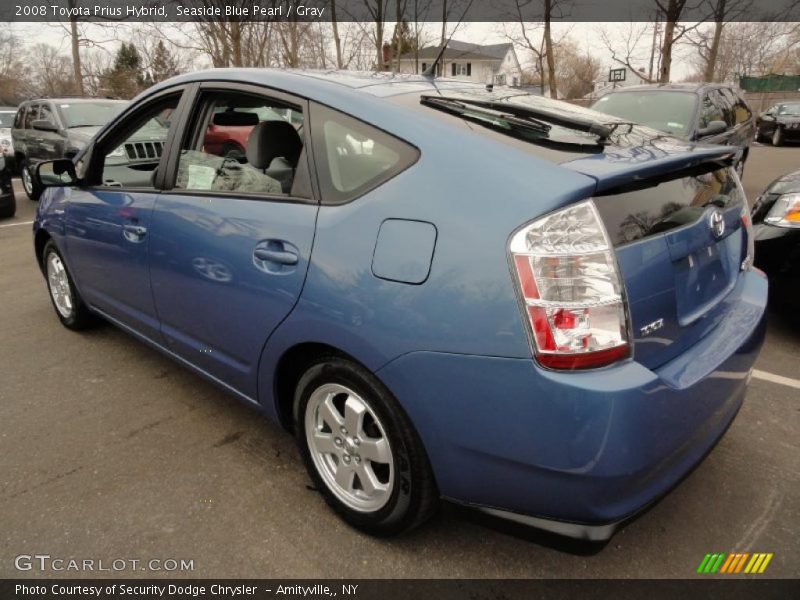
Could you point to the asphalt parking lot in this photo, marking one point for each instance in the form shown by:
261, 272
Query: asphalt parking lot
108, 450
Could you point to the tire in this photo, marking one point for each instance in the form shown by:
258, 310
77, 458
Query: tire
387, 485
70, 308
10, 209
777, 137
32, 189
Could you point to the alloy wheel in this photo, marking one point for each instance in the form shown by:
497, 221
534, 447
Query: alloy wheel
58, 282
349, 447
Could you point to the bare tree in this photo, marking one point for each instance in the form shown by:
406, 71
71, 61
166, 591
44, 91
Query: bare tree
577, 71
628, 47
49, 72
526, 33
377, 11
11, 68
337, 40
672, 11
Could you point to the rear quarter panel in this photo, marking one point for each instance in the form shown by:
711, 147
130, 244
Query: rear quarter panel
476, 192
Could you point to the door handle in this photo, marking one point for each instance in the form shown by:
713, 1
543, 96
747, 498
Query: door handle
134, 233
282, 257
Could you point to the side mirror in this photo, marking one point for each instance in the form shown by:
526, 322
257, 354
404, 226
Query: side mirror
44, 125
713, 128
56, 173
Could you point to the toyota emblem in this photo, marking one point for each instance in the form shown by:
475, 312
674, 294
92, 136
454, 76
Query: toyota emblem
717, 224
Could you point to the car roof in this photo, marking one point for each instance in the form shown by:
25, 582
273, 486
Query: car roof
309, 82
670, 87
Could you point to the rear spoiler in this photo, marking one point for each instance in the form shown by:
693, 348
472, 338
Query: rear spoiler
627, 168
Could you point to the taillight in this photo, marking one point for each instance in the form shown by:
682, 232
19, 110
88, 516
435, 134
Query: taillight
571, 289
747, 222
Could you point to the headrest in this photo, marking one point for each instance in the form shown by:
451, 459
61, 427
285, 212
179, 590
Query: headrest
271, 139
232, 118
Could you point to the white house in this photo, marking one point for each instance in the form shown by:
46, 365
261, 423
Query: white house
494, 63
618, 76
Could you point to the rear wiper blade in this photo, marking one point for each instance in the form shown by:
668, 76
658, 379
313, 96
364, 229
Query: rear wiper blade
601, 130
460, 107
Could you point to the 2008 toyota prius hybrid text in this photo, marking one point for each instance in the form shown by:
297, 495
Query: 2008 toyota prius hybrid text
443, 290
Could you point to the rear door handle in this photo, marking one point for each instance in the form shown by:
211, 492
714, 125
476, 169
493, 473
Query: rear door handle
282, 257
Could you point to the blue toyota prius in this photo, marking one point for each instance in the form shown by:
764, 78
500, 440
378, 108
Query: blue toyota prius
443, 290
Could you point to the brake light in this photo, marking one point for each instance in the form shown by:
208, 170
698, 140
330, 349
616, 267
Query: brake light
571, 289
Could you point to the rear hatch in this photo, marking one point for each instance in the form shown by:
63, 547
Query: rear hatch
676, 223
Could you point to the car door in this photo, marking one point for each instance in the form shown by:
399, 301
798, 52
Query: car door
49, 144
766, 124
108, 220
29, 134
230, 239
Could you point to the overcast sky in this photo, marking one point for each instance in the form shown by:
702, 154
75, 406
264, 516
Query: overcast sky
586, 35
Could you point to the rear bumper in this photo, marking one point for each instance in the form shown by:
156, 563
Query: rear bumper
578, 453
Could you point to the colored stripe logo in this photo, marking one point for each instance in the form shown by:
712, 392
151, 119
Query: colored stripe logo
734, 563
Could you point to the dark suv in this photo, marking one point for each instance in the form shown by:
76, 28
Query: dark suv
51, 128
707, 112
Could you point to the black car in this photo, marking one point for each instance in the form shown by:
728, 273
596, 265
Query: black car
8, 205
780, 123
776, 226
707, 112
51, 128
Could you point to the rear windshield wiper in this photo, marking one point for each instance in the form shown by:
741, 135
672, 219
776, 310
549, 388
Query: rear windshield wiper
486, 115
600, 130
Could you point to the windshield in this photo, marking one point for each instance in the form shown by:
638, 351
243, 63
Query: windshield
792, 110
90, 114
672, 112
6, 119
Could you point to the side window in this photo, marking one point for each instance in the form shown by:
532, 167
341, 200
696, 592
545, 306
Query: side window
244, 144
19, 119
46, 114
353, 157
131, 155
711, 110
31, 115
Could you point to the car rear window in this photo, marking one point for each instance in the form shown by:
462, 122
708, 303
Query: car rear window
645, 209
353, 157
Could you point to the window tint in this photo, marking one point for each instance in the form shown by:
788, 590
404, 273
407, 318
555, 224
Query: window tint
19, 117
131, 160
711, 109
354, 157
244, 144
46, 114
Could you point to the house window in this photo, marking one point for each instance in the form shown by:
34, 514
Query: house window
462, 69
424, 67
515, 81
501, 80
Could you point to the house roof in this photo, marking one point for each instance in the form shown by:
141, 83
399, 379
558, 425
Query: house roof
463, 50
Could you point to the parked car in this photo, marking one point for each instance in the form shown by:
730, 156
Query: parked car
49, 128
776, 225
780, 123
6, 146
8, 204
708, 112
495, 298
229, 129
